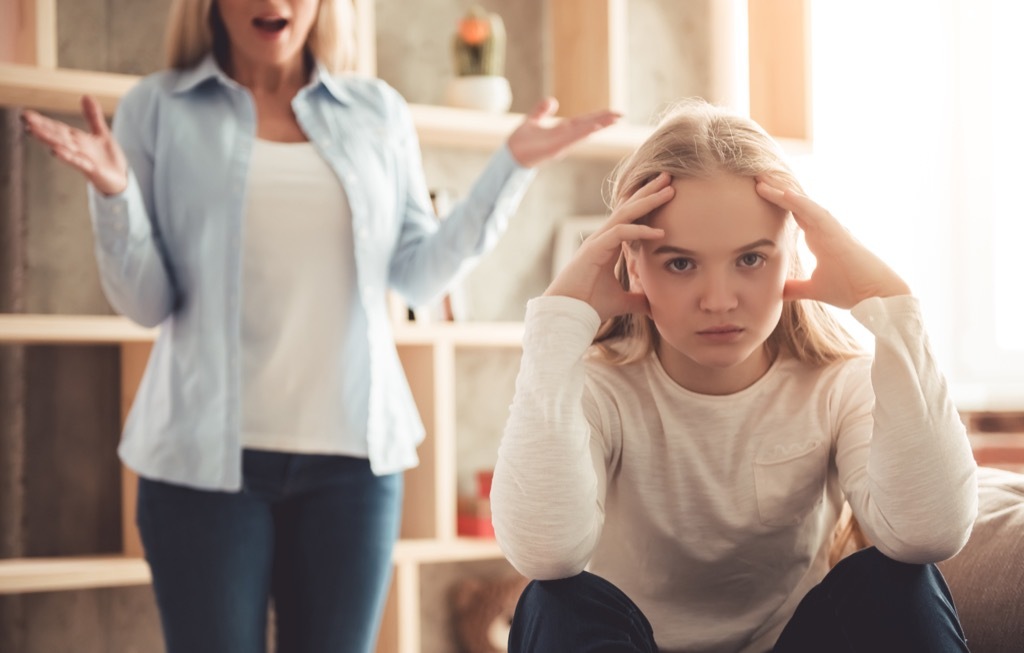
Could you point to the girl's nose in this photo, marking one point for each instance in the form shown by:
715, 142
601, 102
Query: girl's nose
718, 296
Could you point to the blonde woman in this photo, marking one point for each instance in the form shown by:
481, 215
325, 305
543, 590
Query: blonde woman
257, 205
689, 420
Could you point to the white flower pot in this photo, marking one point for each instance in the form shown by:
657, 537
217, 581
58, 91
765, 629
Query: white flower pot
482, 92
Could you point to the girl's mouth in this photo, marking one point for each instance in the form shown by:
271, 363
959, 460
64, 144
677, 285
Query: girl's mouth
720, 330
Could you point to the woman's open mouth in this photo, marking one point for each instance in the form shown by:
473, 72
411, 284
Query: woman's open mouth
270, 24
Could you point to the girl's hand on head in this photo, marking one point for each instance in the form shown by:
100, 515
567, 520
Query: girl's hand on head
95, 153
846, 272
590, 274
535, 142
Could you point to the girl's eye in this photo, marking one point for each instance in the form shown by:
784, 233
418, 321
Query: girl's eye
752, 260
679, 264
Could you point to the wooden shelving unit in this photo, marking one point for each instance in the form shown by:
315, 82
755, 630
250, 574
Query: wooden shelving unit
60, 91
594, 28
22, 575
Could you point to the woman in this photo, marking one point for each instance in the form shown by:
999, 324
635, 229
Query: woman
258, 206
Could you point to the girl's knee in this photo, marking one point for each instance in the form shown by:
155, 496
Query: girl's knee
899, 583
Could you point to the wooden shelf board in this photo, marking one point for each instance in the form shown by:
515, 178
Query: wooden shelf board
462, 334
457, 549
37, 329
23, 575
60, 90
19, 575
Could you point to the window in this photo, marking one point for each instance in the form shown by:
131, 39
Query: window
918, 147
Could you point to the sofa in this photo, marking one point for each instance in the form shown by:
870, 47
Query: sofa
987, 577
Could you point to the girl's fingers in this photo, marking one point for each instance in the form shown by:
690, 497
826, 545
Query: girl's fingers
649, 197
797, 289
628, 231
806, 212
637, 303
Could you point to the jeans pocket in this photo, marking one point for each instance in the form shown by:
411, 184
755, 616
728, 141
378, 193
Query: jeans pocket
790, 481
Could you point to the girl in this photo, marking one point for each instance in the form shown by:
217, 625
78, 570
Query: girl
257, 204
689, 420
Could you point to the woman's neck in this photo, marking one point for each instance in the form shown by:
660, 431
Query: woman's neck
274, 79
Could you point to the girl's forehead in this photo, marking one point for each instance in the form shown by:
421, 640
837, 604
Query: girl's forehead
720, 209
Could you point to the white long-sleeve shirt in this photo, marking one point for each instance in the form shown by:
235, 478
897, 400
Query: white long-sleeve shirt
714, 513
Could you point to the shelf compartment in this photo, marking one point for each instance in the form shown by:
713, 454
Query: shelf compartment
60, 90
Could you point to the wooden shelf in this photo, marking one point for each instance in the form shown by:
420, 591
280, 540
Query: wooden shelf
458, 549
462, 334
19, 575
23, 575
36, 329
60, 90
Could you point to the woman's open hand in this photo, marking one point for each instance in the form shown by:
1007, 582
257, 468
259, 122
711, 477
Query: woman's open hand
590, 274
533, 142
846, 272
95, 153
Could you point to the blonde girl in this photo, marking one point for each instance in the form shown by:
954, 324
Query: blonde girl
689, 421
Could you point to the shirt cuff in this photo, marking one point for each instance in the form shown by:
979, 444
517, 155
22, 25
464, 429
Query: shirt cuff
112, 216
559, 323
882, 314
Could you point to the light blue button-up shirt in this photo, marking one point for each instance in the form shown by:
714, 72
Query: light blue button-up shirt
169, 254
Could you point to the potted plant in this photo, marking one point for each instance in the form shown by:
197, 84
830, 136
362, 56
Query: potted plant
478, 50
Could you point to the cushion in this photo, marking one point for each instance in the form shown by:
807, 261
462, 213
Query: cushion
987, 576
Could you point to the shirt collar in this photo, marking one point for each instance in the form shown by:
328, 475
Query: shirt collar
208, 69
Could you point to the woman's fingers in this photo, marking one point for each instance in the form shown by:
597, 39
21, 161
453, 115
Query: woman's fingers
42, 128
93, 113
546, 108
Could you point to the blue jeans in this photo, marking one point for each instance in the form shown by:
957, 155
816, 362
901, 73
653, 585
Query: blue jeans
312, 533
868, 603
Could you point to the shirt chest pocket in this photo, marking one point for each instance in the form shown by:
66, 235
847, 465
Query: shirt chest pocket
789, 480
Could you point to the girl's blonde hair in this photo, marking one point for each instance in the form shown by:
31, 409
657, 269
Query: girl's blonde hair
195, 29
696, 139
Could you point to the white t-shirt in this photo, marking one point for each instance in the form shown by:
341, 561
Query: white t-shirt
714, 513
299, 308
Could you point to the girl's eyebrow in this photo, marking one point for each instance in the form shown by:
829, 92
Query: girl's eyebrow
671, 249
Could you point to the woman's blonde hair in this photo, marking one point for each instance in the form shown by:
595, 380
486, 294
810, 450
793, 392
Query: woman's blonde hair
696, 139
195, 29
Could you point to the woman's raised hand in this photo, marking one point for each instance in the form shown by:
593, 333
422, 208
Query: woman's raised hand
590, 274
534, 142
95, 153
846, 272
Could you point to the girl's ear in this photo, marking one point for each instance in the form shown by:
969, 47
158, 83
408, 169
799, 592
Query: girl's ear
629, 258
